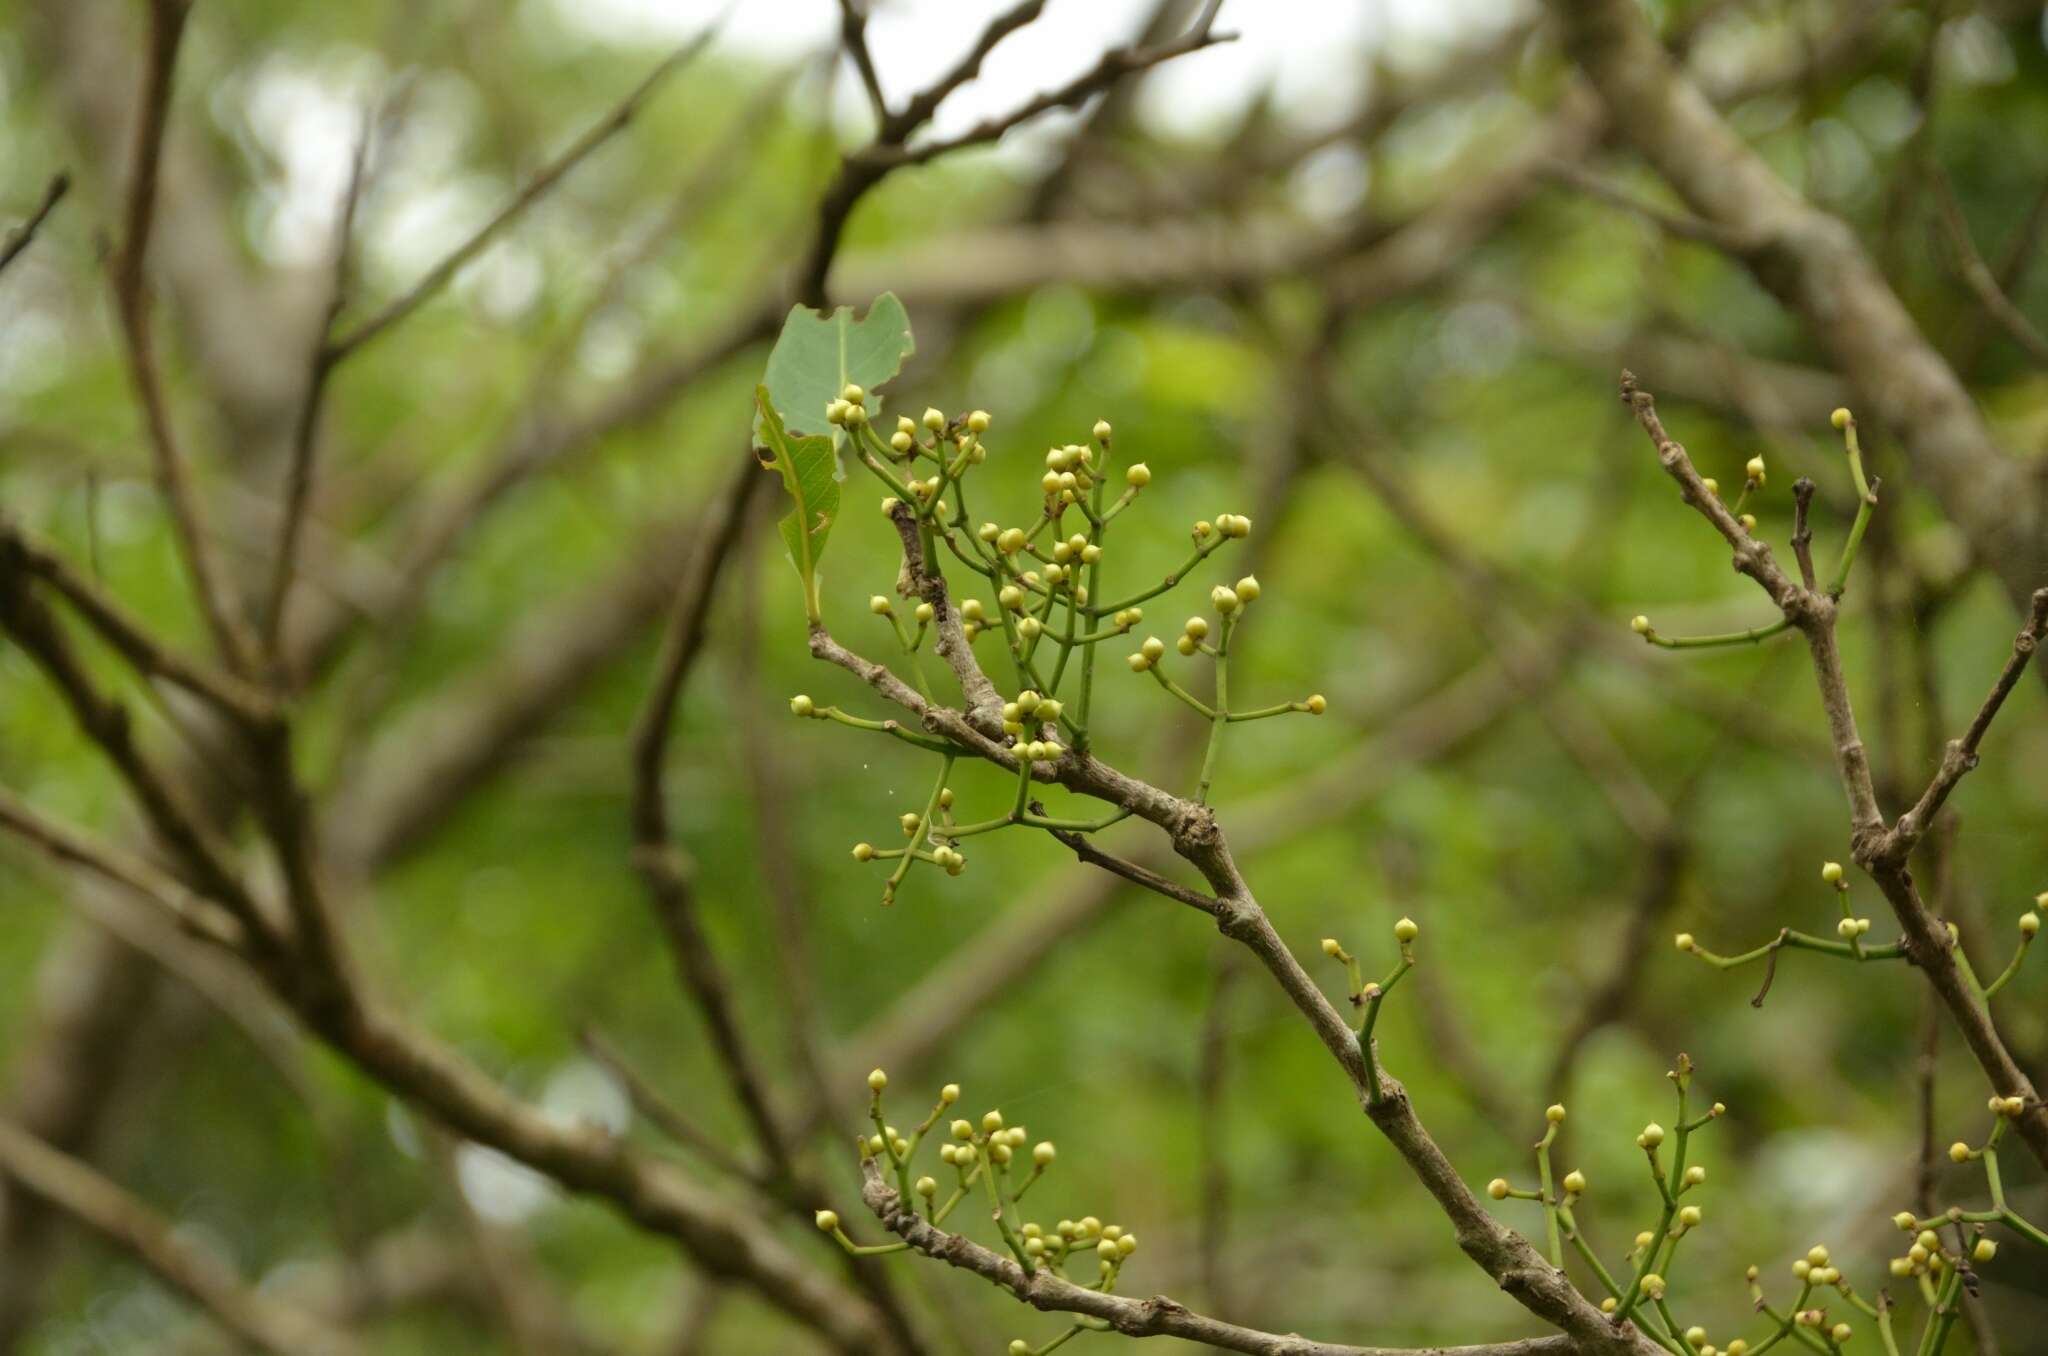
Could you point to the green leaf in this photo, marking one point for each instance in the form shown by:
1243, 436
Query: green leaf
809, 472
818, 356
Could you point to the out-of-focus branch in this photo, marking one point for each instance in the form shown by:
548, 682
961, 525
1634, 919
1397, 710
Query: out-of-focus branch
298, 487
1977, 275
853, 35
126, 634
1814, 264
23, 235
216, 599
617, 120
252, 1316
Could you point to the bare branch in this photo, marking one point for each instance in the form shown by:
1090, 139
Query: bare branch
249, 705
1813, 263
23, 235
617, 120
853, 34
1960, 756
216, 599
1977, 275
1085, 850
306, 432
63, 843
252, 1316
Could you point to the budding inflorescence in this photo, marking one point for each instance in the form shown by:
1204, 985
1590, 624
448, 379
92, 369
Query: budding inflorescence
1041, 588
985, 1158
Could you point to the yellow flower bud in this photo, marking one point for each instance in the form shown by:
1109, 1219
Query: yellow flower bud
1985, 1250
1316, 704
1575, 1182
1841, 418
1831, 872
1755, 469
826, 1220
877, 1081
1652, 1136
978, 422
1639, 624
1406, 930
1498, 1188
863, 852
1554, 1113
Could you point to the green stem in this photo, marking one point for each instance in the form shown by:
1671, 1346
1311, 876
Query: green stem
1218, 718
1866, 500
1749, 637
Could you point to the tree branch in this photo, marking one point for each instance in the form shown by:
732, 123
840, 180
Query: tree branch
251, 1315
23, 235
617, 120
1882, 852
1154, 1317
216, 599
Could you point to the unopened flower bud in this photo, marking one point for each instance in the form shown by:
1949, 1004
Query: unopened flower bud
1639, 624
1498, 1188
1137, 475
949, 1094
880, 606
1840, 418
1247, 588
2030, 923
800, 705
1406, 930
902, 441
1695, 1174
1831, 872
1043, 1152
1652, 1136
863, 852
1755, 469
1575, 1182
826, 1221
1317, 703
1689, 1216
1153, 647
978, 422
1101, 430
1985, 1250
877, 1081
1958, 1152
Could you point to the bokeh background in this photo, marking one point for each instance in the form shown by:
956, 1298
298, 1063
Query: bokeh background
1348, 276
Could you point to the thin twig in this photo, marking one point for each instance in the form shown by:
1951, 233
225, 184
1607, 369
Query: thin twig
1977, 275
306, 431
618, 119
217, 600
21, 236
1960, 756
853, 34
251, 1315
126, 633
